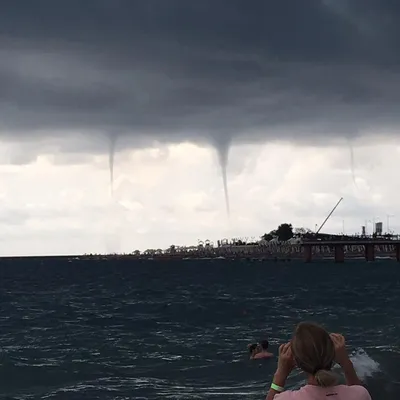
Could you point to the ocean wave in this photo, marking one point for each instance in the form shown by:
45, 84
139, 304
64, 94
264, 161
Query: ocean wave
115, 332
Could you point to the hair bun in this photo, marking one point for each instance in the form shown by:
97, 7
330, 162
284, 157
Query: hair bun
326, 378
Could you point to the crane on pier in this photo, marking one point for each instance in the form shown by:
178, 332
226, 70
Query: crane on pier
326, 219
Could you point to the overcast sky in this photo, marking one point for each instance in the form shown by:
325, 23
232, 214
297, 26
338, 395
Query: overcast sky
275, 92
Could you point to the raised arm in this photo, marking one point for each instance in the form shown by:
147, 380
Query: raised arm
342, 358
285, 365
350, 373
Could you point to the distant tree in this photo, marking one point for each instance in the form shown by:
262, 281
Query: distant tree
268, 236
302, 231
284, 232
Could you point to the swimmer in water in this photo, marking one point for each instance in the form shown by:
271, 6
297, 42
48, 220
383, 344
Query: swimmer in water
262, 351
253, 350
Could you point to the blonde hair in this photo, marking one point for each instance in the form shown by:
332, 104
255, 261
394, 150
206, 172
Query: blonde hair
314, 352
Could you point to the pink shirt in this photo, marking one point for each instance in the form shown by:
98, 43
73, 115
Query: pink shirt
340, 392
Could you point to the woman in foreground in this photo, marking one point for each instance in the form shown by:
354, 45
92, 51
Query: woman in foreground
314, 351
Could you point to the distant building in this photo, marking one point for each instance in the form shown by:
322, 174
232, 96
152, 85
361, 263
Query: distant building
379, 228
363, 231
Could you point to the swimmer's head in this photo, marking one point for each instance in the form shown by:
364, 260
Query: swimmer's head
314, 352
252, 347
264, 345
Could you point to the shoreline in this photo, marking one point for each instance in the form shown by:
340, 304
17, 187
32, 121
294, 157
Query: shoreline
278, 253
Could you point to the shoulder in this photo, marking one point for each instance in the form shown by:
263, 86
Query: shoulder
288, 395
291, 394
302, 393
263, 355
360, 391
356, 392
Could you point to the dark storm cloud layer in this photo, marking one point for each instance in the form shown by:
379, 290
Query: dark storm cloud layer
209, 70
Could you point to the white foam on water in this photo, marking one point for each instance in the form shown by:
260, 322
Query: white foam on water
364, 365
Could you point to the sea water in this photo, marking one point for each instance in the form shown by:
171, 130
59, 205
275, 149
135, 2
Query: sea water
153, 330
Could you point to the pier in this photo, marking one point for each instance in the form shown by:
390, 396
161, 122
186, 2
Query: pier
367, 248
308, 250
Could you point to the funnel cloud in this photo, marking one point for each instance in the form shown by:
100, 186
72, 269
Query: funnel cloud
352, 165
111, 157
223, 153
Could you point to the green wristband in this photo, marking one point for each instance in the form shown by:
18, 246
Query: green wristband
277, 388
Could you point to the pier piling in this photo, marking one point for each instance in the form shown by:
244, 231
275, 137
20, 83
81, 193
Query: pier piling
339, 253
308, 253
370, 252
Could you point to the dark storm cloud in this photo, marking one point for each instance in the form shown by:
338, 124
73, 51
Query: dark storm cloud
209, 70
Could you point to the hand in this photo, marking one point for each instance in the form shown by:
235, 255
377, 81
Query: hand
285, 361
341, 356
